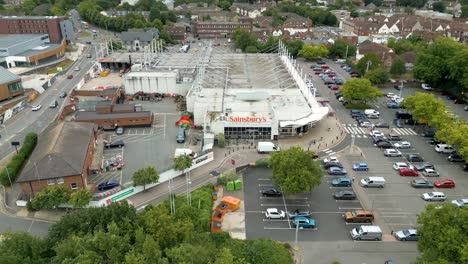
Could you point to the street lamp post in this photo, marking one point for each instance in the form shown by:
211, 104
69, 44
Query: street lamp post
401, 89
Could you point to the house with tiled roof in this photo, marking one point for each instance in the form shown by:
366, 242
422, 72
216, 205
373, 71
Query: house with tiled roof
409, 58
385, 54
251, 10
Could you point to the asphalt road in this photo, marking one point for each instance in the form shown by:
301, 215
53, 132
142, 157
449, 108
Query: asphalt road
33, 227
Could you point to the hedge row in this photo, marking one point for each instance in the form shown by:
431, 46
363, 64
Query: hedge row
13, 168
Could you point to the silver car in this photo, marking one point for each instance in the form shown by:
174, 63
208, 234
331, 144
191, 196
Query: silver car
434, 196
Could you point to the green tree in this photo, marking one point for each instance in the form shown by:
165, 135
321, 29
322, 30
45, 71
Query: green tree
21, 247
398, 67
188, 253
412, 3
369, 61
464, 13
342, 49
294, 46
310, 52
251, 49
145, 176
443, 234
181, 163
377, 76
359, 90
294, 171
242, 39
29, 5
438, 6
224, 257
50, 198
80, 198
425, 106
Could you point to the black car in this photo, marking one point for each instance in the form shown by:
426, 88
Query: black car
455, 158
344, 195
338, 95
355, 113
63, 94
433, 141
108, 185
412, 122
115, 144
384, 145
272, 192
382, 125
422, 166
429, 133
355, 75
422, 183
397, 87
321, 63
332, 164
403, 115
378, 140
415, 158
299, 212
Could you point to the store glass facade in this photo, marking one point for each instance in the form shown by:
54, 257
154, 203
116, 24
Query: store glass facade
247, 133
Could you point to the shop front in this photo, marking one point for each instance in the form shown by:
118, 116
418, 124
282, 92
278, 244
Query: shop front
246, 127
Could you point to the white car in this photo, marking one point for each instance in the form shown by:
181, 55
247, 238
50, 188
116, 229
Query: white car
434, 196
460, 202
400, 165
376, 134
402, 145
36, 107
77, 69
426, 87
390, 95
392, 153
331, 159
365, 124
399, 100
395, 97
430, 173
273, 213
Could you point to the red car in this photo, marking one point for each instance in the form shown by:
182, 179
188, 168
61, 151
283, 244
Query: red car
351, 73
324, 67
408, 172
331, 75
444, 183
334, 88
70, 76
317, 72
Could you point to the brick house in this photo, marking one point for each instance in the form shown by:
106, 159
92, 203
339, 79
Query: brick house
58, 28
385, 54
63, 155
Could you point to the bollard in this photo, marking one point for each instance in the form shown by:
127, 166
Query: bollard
336, 137
225, 154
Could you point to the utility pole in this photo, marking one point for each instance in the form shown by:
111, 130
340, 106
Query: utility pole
171, 197
369, 63
401, 89
188, 182
347, 48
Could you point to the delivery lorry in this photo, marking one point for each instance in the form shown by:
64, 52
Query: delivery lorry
267, 147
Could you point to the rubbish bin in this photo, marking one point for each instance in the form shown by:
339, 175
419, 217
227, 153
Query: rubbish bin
230, 186
238, 184
215, 186
215, 196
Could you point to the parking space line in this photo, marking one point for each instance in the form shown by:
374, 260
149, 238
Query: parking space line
263, 179
346, 223
290, 228
265, 185
350, 208
285, 205
164, 124
262, 212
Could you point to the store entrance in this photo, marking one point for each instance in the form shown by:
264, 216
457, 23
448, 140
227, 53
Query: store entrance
247, 133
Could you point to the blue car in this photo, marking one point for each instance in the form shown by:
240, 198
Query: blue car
108, 185
341, 182
393, 105
336, 171
304, 222
360, 166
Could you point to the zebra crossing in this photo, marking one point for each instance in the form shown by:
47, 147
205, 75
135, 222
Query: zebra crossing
363, 132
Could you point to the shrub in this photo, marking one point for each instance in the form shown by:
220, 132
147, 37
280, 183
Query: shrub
49, 198
226, 177
13, 167
263, 162
357, 106
221, 140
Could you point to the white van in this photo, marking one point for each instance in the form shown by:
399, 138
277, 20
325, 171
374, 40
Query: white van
266, 147
367, 232
376, 182
444, 148
371, 113
185, 151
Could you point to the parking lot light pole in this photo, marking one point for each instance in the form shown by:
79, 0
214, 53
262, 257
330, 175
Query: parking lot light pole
401, 89
296, 248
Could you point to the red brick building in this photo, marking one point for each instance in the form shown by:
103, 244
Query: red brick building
63, 155
211, 29
32, 25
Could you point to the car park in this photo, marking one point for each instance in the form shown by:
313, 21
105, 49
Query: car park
392, 153
299, 212
108, 185
401, 165
341, 182
336, 171
408, 172
455, 158
332, 164
423, 166
444, 183
303, 222
115, 144
460, 202
406, 235
359, 216
434, 196
421, 183
271, 192
414, 158
36, 107
402, 145
344, 195
274, 213
360, 166
430, 173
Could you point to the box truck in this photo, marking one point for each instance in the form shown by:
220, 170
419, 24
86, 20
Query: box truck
266, 147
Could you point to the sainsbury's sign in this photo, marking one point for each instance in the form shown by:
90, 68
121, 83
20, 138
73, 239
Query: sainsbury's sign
247, 119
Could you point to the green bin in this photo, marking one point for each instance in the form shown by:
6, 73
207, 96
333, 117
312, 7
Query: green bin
230, 186
238, 184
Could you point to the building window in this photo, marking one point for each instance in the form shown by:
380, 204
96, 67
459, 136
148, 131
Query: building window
15, 87
50, 181
60, 181
74, 186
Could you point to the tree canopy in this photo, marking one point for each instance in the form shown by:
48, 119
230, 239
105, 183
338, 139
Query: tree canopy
338, 49
359, 90
398, 67
371, 59
443, 234
377, 76
313, 52
294, 170
145, 176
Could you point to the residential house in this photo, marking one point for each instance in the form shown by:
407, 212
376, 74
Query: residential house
62, 156
251, 10
385, 54
177, 33
409, 58
10, 84
389, 3
295, 23
137, 39
263, 22
213, 29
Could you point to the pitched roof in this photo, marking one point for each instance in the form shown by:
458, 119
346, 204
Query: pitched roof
409, 56
60, 152
140, 34
7, 76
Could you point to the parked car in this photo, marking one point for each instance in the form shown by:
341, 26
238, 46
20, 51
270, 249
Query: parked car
430, 173
393, 105
382, 125
356, 113
433, 141
274, 213
303, 222
402, 145
115, 144
392, 153
321, 63
384, 145
299, 212
344, 195
406, 235
429, 133
378, 140
415, 158
359, 216
108, 185
423, 166
422, 183
119, 131
70, 76
455, 158
444, 183
331, 159
401, 165
63, 94
376, 134
332, 164
36, 107
271, 192
408, 172
360, 166
426, 87
365, 124
324, 67
460, 202
77, 69
459, 101
434, 196
400, 114
341, 182
336, 171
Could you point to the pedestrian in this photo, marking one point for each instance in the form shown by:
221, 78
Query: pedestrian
392, 232
354, 178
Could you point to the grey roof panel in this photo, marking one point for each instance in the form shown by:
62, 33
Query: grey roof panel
6, 76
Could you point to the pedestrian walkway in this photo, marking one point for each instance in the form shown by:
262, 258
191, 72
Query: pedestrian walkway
363, 132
